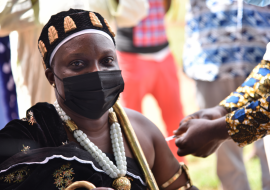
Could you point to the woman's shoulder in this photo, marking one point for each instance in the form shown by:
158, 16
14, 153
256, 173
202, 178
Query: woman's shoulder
147, 133
41, 127
29, 121
41, 124
140, 123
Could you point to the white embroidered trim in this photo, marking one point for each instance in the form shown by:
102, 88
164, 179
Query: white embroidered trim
47, 159
137, 177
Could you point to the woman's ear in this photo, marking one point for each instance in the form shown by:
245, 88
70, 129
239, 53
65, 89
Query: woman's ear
50, 76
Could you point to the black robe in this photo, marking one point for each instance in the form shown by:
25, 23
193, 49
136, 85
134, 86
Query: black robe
35, 154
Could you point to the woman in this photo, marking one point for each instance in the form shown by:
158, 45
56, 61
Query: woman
59, 144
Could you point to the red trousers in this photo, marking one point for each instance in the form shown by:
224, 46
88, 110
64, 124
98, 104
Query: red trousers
158, 78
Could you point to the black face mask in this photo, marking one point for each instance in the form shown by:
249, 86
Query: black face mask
92, 94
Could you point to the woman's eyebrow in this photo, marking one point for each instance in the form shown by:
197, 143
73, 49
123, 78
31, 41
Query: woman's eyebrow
108, 51
76, 55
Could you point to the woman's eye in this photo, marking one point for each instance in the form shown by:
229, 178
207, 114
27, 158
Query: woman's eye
77, 63
108, 61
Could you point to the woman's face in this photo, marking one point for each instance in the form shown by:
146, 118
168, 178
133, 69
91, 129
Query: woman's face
83, 54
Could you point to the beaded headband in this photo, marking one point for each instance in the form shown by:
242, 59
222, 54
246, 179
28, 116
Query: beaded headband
67, 25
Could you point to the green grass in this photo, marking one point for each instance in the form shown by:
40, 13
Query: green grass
253, 170
203, 171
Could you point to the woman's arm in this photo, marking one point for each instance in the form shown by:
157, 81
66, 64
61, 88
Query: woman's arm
250, 123
202, 137
254, 87
159, 157
166, 165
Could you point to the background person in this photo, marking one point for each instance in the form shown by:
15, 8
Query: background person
149, 67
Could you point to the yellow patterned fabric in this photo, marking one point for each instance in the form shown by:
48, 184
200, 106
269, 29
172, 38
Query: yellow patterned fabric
255, 86
249, 107
250, 123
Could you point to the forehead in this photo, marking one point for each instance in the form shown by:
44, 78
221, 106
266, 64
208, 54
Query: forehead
86, 43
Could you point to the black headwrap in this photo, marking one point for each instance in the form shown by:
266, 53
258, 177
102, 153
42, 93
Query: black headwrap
65, 23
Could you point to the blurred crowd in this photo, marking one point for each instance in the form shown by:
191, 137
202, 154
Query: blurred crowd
224, 41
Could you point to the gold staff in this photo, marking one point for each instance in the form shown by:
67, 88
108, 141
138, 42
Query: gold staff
135, 146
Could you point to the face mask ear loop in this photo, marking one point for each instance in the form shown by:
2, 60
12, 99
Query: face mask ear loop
56, 86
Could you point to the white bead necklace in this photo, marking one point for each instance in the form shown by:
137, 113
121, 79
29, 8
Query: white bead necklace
117, 143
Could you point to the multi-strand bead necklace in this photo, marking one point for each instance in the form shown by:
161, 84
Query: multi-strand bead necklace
114, 171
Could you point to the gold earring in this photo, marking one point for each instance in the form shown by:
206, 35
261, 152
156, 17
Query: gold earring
53, 85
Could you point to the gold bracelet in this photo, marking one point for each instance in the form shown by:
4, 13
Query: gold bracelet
189, 183
172, 179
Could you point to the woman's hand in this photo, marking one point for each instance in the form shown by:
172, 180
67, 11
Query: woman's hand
209, 113
200, 137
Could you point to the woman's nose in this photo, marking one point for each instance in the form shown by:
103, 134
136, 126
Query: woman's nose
95, 67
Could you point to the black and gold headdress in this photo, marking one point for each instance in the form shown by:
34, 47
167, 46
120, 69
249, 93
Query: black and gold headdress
68, 24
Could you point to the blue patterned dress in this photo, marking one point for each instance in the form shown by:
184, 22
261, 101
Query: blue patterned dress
8, 97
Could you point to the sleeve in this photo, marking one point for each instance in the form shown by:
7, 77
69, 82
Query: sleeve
255, 87
16, 137
250, 123
128, 13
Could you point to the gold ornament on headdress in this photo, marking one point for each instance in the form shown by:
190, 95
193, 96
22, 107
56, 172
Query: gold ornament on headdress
109, 27
69, 24
52, 33
94, 19
42, 49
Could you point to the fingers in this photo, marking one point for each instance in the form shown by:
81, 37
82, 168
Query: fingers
189, 117
185, 119
183, 148
181, 129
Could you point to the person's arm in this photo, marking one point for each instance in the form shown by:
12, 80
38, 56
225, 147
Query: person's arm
250, 123
254, 87
159, 156
167, 5
246, 125
128, 13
